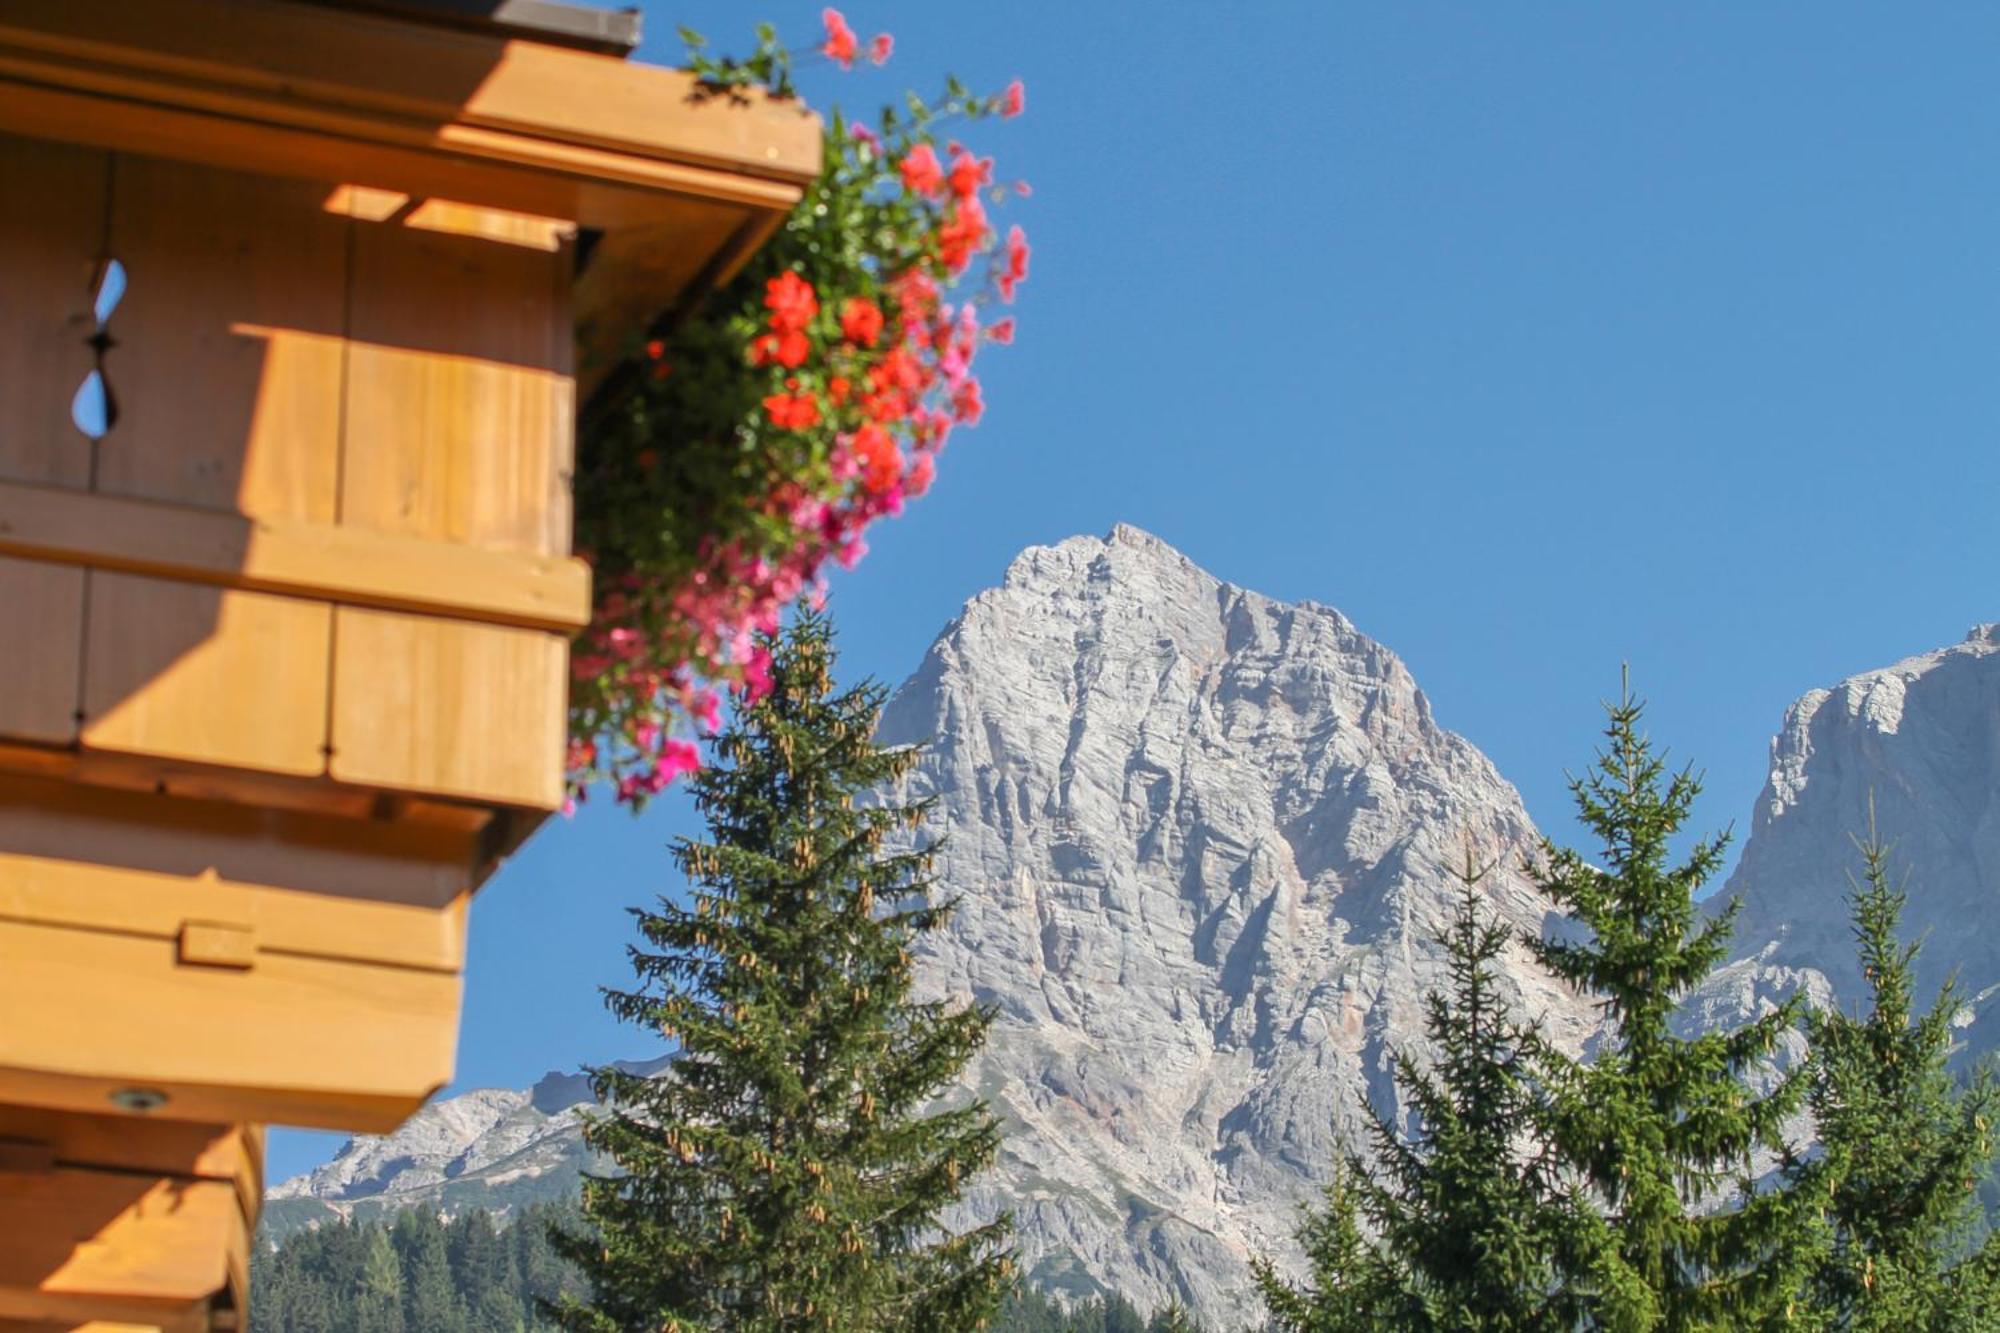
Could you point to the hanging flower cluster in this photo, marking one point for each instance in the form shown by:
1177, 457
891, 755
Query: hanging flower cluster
809, 398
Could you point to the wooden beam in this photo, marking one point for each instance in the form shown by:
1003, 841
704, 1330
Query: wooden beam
345, 565
395, 112
312, 66
88, 1244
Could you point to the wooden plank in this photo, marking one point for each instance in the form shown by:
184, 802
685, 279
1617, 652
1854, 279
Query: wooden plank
154, 1147
43, 606
459, 411
300, 65
70, 1235
236, 284
50, 234
296, 1040
78, 895
594, 187
195, 1323
471, 711
179, 670
337, 564
308, 884
493, 224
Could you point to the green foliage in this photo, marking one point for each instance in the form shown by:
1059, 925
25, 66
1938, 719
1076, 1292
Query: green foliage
1906, 1144
1467, 1219
1471, 1216
1350, 1283
787, 1171
421, 1275
1661, 1128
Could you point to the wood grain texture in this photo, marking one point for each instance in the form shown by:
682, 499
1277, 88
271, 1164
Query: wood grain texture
459, 413
43, 606
89, 1243
319, 560
472, 711
325, 68
51, 231
269, 921
130, 1143
230, 351
327, 866
197, 673
295, 1040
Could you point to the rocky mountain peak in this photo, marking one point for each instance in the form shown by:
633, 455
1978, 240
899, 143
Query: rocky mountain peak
1919, 741
1201, 841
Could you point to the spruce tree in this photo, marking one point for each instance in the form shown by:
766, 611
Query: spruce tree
1349, 1287
1466, 1207
1467, 1219
788, 1171
1661, 1128
1905, 1142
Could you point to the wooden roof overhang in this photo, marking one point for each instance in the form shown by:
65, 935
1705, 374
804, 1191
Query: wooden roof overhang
680, 183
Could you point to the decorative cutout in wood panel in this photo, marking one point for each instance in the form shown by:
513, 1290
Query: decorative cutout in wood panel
230, 342
51, 236
95, 407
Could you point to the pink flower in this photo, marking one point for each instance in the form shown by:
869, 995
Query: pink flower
862, 134
965, 402
1015, 264
879, 49
1014, 100
922, 471
840, 43
678, 757
707, 709
1001, 330
756, 679
921, 171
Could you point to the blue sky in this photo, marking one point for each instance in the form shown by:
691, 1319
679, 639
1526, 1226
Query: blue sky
1535, 338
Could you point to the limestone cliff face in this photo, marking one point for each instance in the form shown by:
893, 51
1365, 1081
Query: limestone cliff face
1200, 841
1922, 738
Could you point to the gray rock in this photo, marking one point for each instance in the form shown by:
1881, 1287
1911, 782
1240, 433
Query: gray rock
1922, 738
1201, 842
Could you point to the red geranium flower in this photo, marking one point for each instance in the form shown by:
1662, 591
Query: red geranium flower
840, 41
791, 302
962, 235
788, 349
879, 49
968, 173
921, 172
881, 462
965, 402
1016, 270
861, 321
922, 472
792, 411
1014, 101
